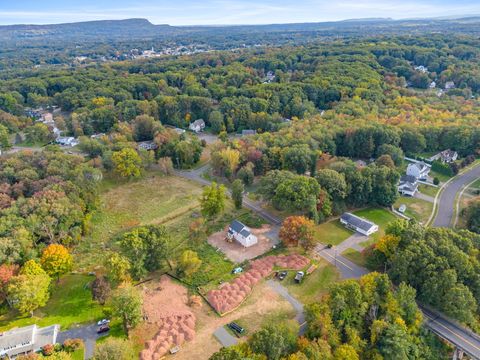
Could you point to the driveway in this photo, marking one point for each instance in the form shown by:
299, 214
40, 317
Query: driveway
353, 242
87, 333
446, 202
224, 337
297, 305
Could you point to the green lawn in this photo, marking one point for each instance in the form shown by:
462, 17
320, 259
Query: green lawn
417, 209
78, 354
428, 190
332, 232
314, 285
379, 216
71, 303
441, 177
154, 199
355, 257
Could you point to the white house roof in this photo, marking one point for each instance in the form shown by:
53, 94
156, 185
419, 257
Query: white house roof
199, 122
28, 338
357, 221
240, 228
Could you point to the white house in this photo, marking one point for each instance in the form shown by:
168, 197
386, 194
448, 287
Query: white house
241, 233
445, 156
358, 224
67, 141
197, 125
408, 185
419, 170
147, 145
449, 85
26, 339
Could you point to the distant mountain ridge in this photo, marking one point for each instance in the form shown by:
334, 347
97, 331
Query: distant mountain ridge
138, 28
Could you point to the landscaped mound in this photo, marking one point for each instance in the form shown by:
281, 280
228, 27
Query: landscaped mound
176, 325
232, 294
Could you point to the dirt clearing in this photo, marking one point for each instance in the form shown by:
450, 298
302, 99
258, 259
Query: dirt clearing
236, 252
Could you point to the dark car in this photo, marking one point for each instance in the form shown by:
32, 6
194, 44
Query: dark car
237, 328
282, 275
103, 329
329, 246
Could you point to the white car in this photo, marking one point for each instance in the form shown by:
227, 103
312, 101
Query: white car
103, 322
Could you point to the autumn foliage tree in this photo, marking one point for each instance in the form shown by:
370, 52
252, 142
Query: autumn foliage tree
297, 230
56, 260
127, 163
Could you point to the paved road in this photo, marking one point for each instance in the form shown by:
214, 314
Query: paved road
464, 339
225, 338
446, 202
297, 305
87, 333
196, 175
458, 335
347, 269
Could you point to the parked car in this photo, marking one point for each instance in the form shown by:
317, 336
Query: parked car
281, 275
237, 270
103, 322
237, 328
103, 329
299, 277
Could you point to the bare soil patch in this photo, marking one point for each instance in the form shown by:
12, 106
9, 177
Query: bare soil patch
165, 305
262, 303
235, 251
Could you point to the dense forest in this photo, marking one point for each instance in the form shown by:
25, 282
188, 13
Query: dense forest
312, 125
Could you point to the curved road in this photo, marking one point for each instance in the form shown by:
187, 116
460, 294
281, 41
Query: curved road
447, 200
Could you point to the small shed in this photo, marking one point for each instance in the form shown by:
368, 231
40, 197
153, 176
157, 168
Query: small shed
402, 208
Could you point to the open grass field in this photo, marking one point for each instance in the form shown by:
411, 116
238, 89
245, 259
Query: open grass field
154, 199
71, 303
332, 232
417, 209
379, 216
314, 285
428, 190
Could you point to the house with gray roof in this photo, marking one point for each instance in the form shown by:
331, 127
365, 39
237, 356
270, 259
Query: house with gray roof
358, 224
408, 185
241, 233
418, 169
27, 339
197, 126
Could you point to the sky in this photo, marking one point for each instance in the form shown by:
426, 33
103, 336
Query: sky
226, 12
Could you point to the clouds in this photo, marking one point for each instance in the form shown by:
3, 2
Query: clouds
216, 12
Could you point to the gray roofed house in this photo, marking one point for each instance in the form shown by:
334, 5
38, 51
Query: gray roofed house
197, 125
241, 233
408, 185
248, 132
419, 170
408, 178
358, 224
27, 339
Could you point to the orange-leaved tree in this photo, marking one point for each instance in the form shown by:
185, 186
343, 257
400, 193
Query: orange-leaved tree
298, 230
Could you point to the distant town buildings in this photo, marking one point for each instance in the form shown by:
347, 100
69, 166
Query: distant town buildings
449, 85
